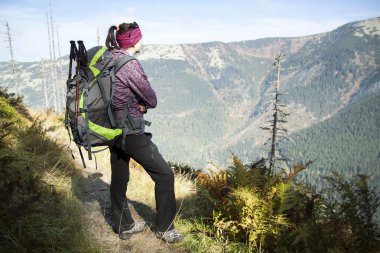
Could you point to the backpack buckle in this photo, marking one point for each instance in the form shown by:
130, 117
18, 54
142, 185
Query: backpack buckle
100, 60
105, 73
71, 82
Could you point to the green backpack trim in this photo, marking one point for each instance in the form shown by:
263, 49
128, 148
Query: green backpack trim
107, 133
94, 59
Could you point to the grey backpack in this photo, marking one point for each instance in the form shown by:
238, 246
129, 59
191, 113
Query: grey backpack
89, 118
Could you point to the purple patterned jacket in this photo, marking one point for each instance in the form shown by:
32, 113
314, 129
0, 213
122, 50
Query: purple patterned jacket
131, 78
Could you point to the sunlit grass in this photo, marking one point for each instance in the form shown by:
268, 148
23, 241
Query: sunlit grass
40, 211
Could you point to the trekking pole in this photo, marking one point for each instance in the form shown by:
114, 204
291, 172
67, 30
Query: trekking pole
81, 57
76, 92
81, 156
82, 53
77, 80
73, 52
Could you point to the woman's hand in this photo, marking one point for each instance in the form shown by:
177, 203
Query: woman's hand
142, 108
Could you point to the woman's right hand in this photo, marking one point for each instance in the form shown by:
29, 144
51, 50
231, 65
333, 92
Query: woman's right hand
142, 109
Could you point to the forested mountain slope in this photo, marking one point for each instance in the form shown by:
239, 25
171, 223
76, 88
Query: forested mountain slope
348, 142
212, 96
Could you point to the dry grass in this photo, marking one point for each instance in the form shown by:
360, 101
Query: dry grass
141, 186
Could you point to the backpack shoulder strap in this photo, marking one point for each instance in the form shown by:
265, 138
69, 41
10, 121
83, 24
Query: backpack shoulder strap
121, 61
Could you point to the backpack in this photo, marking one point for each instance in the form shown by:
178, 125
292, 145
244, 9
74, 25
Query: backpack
89, 119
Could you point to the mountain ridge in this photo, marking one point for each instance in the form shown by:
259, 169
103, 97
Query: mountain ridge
212, 96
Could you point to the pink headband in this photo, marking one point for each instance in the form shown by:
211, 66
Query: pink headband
130, 38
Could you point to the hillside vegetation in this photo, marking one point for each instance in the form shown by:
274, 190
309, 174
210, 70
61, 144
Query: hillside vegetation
212, 101
236, 209
38, 207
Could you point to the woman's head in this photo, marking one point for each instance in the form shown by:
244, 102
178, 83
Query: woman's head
125, 36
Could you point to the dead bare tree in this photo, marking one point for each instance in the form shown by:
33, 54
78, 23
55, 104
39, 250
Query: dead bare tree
53, 61
51, 65
62, 83
49, 39
12, 60
52, 29
46, 98
97, 36
275, 127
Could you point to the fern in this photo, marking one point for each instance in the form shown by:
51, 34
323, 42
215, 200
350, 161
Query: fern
286, 198
253, 176
275, 213
255, 219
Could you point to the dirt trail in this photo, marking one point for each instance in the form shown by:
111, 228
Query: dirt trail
96, 202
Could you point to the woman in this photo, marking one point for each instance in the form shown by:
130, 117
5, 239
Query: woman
132, 97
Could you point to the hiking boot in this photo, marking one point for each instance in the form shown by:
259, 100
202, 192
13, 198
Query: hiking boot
170, 236
136, 228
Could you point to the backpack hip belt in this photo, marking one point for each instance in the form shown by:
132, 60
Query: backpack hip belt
130, 125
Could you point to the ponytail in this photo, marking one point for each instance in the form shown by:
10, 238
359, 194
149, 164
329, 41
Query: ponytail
111, 42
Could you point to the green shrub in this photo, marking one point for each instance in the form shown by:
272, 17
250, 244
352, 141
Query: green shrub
278, 214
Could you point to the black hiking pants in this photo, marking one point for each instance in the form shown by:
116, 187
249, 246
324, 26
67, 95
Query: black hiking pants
145, 152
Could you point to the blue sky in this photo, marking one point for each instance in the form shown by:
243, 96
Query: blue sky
171, 22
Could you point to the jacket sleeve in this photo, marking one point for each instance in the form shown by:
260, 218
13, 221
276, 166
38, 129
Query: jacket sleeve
138, 82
